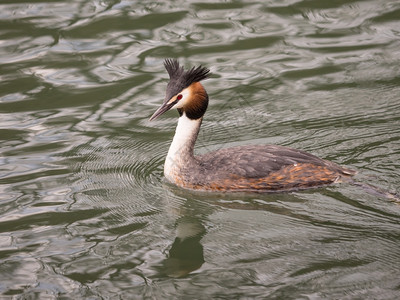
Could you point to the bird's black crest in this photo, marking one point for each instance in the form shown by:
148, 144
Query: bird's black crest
181, 79
175, 71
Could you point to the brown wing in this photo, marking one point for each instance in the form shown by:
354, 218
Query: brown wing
266, 168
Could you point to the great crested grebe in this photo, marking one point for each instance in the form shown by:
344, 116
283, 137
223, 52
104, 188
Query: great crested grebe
255, 168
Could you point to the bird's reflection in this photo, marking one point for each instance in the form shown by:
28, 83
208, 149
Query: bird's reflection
186, 254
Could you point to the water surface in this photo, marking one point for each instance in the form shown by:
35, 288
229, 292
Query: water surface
84, 209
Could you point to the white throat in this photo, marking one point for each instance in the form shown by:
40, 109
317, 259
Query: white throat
182, 146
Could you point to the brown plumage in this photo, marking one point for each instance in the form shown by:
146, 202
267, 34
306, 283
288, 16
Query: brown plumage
259, 168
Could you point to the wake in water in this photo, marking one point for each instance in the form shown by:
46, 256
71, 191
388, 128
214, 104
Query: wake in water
376, 191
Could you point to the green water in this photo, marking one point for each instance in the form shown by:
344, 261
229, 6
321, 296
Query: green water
84, 210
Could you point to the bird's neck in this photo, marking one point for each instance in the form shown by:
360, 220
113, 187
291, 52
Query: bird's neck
181, 151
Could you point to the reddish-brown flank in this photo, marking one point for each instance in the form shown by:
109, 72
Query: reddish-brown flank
294, 177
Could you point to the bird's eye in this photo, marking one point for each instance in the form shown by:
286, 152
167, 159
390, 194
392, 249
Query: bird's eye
179, 97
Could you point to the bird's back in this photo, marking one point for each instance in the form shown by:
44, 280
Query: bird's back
260, 168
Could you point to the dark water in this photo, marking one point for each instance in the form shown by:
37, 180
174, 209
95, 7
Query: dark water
84, 209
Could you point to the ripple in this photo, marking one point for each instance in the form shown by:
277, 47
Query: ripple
119, 174
85, 211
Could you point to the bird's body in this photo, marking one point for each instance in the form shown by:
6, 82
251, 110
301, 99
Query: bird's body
251, 168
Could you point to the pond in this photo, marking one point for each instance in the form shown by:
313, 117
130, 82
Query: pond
85, 211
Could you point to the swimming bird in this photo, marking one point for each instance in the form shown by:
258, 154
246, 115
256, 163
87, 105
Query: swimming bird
248, 168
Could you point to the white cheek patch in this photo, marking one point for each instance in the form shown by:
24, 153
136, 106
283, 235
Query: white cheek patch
185, 98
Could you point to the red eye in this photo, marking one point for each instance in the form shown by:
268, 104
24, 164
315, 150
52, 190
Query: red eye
179, 97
